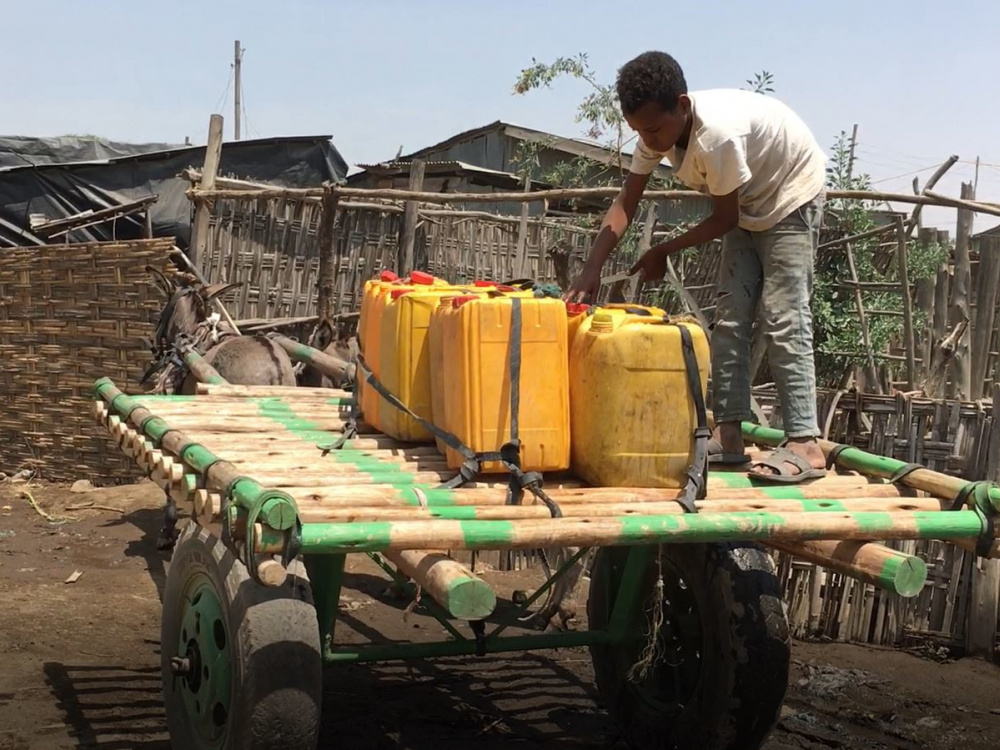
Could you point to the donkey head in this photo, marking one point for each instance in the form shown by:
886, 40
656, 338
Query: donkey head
187, 305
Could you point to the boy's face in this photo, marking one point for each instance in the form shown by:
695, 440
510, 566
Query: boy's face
659, 129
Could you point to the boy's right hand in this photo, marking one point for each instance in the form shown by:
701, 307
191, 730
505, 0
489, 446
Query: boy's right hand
586, 285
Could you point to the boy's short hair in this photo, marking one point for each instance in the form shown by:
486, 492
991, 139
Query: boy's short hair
650, 77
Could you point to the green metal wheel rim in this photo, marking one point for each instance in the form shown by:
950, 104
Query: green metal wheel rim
204, 642
675, 676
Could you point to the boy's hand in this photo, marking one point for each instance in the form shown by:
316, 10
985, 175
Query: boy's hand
652, 266
587, 284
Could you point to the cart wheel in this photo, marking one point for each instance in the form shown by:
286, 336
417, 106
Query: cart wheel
724, 648
241, 662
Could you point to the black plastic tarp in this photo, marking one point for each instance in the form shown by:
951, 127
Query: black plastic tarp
20, 151
58, 191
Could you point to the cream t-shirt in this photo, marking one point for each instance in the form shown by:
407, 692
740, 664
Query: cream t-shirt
749, 141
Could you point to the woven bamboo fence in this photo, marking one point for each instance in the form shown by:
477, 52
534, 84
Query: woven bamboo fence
270, 245
958, 437
70, 314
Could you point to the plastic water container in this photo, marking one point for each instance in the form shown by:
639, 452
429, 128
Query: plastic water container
405, 359
576, 313
633, 415
476, 383
370, 327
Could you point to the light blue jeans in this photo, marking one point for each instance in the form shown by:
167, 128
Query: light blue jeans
773, 268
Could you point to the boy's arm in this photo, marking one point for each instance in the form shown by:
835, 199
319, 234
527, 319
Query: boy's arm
724, 218
616, 221
726, 171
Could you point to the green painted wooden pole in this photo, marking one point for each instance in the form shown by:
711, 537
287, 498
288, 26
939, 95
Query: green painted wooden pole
327, 364
928, 480
335, 538
278, 509
878, 565
203, 371
468, 647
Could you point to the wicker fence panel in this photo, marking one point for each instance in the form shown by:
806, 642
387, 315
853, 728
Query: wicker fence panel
70, 314
270, 246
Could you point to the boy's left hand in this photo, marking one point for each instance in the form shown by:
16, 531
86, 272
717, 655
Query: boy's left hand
652, 265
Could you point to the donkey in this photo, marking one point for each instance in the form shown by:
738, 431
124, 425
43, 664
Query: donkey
338, 340
186, 319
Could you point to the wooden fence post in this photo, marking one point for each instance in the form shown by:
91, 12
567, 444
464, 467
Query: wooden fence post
408, 233
203, 212
327, 249
961, 385
925, 303
904, 283
942, 291
521, 263
980, 636
987, 280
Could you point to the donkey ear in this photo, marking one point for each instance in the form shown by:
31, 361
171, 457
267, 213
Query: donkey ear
214, 290
161, 282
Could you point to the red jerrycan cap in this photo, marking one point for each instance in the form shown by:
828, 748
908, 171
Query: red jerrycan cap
457, 302
483, 283
576, 308
388, 276
397, 293
419, 277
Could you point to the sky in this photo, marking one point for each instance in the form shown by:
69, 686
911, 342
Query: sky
919, 81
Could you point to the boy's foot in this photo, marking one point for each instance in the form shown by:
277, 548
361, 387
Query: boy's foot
725, 448
796, 461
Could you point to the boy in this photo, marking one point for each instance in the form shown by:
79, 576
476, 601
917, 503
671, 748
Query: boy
766, 176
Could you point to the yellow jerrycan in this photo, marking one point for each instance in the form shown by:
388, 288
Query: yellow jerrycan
405, 360
479, 336
370, 327
632, 411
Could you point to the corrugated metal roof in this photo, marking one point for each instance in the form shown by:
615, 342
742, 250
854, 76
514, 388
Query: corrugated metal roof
574, 146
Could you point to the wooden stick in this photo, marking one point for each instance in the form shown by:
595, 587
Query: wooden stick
326, 245
572, 532
966, 201
461, 592
236, 424
933, 386
904, 282
328, 364
931, 199
330, 513
245, 410
863, 321
856, 237
925, 302
268, 391
960, 385
213, 154
988, 281
869, 562
521, 251
408, 229
938, 174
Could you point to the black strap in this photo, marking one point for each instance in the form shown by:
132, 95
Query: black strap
904, 471
509, 454
962, 496
697, 474
834, 454
525, 284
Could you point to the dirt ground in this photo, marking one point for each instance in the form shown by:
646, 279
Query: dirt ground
79, 662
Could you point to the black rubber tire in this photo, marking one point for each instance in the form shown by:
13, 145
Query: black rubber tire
275, 654
736, 698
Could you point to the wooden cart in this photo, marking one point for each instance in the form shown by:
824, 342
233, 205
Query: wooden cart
687, 629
